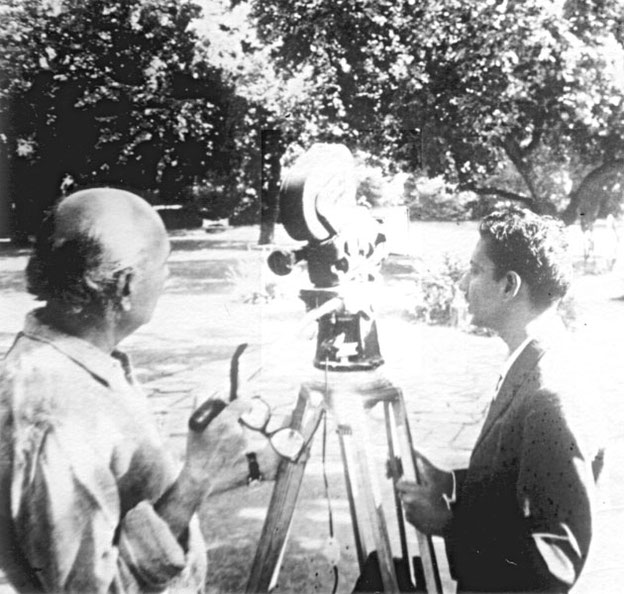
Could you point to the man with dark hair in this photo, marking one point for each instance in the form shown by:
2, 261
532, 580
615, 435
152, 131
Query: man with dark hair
535, 247
519, 518
90, 500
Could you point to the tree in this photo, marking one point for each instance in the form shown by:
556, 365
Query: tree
280, 112
460, 87
599, 194
115, 92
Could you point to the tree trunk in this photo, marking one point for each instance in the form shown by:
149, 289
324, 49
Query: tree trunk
5, 200
602, 189
524, 168
272, 149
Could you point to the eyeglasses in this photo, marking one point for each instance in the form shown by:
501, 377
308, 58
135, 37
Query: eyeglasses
288, 443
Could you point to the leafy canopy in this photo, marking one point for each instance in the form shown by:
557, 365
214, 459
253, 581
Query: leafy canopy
462, 87
113, 92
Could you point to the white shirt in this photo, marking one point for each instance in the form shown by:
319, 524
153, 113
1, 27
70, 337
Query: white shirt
510, 361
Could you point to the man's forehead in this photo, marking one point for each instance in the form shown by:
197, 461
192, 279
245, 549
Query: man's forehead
480, 254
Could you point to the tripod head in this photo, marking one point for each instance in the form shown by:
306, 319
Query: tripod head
347, 331
345, 246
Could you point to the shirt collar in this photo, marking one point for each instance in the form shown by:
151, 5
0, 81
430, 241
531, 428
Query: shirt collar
105, 367
513, 356
549, 327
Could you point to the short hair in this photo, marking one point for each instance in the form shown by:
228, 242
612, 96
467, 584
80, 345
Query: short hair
74, 272
533, 246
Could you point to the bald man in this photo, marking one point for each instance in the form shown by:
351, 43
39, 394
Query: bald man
89, 499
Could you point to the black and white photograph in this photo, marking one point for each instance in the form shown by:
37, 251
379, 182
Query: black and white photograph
311, 296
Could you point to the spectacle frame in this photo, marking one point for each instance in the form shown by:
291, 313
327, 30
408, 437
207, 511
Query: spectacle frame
288, 443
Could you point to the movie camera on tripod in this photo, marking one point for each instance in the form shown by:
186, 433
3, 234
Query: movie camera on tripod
345, 247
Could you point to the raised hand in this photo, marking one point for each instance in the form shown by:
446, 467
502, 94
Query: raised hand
215, 455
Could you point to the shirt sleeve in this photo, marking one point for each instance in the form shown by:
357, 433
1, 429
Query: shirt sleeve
66, 513
451, 498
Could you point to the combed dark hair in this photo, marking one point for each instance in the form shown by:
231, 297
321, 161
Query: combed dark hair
533, 246
68, 272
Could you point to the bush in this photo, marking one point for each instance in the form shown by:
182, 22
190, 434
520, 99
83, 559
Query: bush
255, 283
371, 186
378, 184
436, 290
247, 209
177, 217
212, 200
434, 199
438, 300
569, 313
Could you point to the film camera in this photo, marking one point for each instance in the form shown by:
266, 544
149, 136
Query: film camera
344, 247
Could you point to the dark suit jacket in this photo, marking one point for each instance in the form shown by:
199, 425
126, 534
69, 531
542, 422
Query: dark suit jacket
523, 517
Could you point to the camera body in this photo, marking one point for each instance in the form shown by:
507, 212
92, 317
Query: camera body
344, 247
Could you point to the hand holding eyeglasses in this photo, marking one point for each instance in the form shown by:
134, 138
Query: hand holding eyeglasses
216, 445
222, 438
288, 443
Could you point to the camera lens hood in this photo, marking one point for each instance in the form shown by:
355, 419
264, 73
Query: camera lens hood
318, 192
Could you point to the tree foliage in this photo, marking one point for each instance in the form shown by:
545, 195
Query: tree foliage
115, 92
148, 95
463, 87
283, 112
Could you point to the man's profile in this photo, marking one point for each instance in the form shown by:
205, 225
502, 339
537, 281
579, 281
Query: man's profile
519, 518
90, 500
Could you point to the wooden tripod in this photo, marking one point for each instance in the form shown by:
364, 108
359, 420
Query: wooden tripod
346, 396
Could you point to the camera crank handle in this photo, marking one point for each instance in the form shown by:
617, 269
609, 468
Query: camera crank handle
202, 417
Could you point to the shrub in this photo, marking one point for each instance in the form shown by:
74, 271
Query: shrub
378, 183
371, 186
255, 283
213, 201
437, 299
569, 312
436, 290
434, 199
247, 209
177, 217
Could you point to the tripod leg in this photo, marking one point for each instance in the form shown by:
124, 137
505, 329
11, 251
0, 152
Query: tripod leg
347, 462
397, 500
425, 544
360, 470
265, 566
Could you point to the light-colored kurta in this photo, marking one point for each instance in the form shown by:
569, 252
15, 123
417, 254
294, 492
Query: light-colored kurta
81, 465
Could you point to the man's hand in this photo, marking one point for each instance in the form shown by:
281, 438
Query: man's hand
424, 504
215, 460
268, 458
216, 455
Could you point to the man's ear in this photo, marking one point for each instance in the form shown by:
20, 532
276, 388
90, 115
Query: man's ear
124, 287
513, 282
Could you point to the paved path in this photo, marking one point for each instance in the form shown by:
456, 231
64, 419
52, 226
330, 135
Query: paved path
446, 375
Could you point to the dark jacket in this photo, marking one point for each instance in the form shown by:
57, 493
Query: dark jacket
523, 517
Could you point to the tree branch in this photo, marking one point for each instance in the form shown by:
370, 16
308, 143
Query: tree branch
516, 156
499, 192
